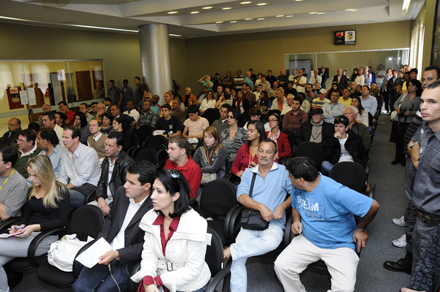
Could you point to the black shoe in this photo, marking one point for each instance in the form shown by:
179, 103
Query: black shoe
399, 266
403, 163
396, 161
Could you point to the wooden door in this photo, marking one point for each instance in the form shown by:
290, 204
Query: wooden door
84, 85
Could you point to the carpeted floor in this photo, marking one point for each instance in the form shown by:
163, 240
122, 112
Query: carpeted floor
371, 276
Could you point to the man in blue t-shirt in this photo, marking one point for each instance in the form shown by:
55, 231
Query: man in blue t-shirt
322, 211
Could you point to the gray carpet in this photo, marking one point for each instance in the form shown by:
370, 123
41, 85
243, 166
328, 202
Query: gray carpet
372, 276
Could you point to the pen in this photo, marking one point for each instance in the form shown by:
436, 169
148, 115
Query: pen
19, 227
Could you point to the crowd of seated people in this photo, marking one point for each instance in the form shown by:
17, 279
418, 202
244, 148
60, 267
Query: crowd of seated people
88, 148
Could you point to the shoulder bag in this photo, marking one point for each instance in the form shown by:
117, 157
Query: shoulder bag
251, 219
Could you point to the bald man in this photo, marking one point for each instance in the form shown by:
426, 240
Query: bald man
14, 129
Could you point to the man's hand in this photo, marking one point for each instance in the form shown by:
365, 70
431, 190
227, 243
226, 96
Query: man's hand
109, 256
239, 174
361, 237
151, 288
409, 290
265, 213
279, 212
297, 227
103, 206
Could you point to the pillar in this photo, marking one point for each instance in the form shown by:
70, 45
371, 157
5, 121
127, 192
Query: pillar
155, 58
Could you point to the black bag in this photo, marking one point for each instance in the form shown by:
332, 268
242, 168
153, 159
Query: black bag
251, 219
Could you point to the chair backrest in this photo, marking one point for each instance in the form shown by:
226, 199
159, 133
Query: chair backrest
227, 166
211, 115
350, 174
157, 142
214, 253
144, 132
134, 139
86, 221
218, 197
147, 154
311, 150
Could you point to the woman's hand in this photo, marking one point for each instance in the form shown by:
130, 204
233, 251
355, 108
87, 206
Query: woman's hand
27, 230
151, 288
14, 229
239, 174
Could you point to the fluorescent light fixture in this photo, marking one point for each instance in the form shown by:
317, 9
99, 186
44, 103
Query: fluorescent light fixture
195, 12
174, 35
207, 7
260, 18
299, 0
320, 13
245, 2
261, 4
313, 12
351, 9
219, 21
248, 18
227, 8
233, 21
405, 5
172, 12
289, 15
280, 15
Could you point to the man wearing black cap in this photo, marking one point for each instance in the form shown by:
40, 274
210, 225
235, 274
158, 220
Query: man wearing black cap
315, 130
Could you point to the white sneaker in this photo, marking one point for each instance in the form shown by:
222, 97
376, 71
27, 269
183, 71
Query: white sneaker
400, 222
401, 242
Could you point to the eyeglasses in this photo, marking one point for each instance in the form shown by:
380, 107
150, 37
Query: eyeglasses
230, 117
271, 120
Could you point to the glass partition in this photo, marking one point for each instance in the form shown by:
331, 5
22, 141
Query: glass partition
30, 84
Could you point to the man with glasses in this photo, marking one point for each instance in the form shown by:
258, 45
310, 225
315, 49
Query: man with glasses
27, 148
14, 129
343, 146
13, 187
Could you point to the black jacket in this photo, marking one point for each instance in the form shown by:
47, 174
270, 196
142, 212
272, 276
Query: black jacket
391, 85
118, 176
134, 236
305, 131
343, 82
354, 145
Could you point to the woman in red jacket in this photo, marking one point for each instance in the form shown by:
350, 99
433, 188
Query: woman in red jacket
284, 149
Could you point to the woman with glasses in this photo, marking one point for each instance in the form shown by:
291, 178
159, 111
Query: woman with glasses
174, 250
208, 102
47, 208
343, 146
280, 138
233, 137
247, 154
212, 155
406, 107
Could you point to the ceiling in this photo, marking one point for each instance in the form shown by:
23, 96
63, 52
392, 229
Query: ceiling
189, 19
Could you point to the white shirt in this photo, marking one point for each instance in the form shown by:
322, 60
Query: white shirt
207, 104
29, 152
95, 138
360, 80
119, 241
380, 80
133, 113
313, 80
80, 167
345, 156
257, 94
111, 166
300, 88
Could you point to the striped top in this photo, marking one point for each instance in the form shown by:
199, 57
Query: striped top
233, 145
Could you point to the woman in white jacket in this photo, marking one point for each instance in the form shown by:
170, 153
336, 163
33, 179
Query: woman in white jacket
175, 239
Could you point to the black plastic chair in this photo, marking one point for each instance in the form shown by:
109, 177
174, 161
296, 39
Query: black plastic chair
157, 142
215, 260
143, 133
311, 150
352, 175
134, 139
211, 115
150, 155
86, 221
218, 198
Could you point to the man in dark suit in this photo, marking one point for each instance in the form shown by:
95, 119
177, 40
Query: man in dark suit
340, 79
121, 230
391, 89
14, 129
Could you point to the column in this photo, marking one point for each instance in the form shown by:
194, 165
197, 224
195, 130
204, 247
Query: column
155, 58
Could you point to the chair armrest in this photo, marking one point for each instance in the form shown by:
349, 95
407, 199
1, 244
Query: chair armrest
228, 176
77, 266
367, 169
288, 234
38, 239
234, 223
9, 222
372, 188
223, 274
132, 286
90, 197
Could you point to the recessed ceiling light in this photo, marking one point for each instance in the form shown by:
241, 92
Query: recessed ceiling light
172, 12
174, 35
245, 2
248, 18
207, 7
280, 15
226, 8
289, 15
260, 18
194, 12
233, 21
351, 9
261, 4
313, 12
219, 21
320, 13
299, 0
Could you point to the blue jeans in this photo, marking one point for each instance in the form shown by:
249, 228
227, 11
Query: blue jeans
251, 243
76, 199
99, 276
326, 167
203, 289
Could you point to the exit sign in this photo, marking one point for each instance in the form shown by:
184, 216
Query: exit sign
346, 37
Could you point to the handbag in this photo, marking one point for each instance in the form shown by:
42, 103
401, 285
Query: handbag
62, 252
251, 219
207, 177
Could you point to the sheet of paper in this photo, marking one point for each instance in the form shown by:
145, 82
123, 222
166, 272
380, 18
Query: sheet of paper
31, 96
90, 257
208, 238
24, 97
8, 235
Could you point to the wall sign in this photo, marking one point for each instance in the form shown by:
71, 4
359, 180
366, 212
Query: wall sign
345, 37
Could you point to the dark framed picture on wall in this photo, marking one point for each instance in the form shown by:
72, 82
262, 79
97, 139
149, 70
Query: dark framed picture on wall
435, 51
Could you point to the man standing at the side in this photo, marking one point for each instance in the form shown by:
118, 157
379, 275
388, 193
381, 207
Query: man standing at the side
115, 94
141, 90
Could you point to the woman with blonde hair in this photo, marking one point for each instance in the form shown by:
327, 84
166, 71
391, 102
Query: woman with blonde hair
212, 155
47, 208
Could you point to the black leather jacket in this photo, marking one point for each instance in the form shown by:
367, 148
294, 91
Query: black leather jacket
118, 176
305, 131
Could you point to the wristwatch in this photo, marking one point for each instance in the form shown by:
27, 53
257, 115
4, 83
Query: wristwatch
361, 229
412, 144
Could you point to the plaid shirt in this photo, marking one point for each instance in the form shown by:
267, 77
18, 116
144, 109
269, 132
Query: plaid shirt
149, 119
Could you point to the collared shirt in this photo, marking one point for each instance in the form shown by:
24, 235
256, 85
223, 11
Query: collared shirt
97, 137
370, 104
111, 166
292, 121
55, 158
29, 152
80, 167
331, 111
192, 173
360, 80
275, 104
119, 241
270, 191
114, 94
148, 119
133, 113
427, 180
